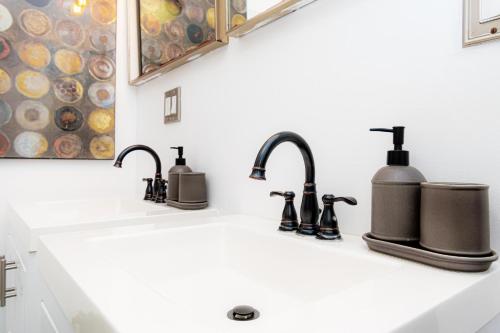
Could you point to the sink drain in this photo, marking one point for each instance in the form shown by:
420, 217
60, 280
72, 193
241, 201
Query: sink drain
243, 313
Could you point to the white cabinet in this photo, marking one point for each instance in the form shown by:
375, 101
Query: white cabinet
47, 324
15, 308
34, 309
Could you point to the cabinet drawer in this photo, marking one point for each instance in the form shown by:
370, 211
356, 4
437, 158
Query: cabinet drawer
47, 324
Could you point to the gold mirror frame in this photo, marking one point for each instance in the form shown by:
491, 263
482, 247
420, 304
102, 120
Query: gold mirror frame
134, 44
476, 30
272, 14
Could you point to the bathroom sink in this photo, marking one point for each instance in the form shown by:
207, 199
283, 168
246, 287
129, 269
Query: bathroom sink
31, 219
185, 276
208, 269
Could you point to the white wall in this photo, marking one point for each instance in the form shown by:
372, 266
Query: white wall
330, 72
51, 179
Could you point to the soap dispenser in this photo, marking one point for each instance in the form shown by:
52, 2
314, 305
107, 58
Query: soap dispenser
396, 194
180, 162
174, 172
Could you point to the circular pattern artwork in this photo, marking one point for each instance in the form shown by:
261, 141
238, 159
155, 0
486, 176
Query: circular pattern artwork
39, 3
195, 33
174, 30
239, 5
5, 81
5, 113
102, 94
102, 40
150, 24
68, 61
4, 144
58, 75
6, 19
68, 146
195, 13
68, 118
32, 84
173, 51
186, 26
103, 11
238, 19
34, 54
5, 48
174, 7
70, 33
30, 144
102, 147
32, 115
211, 20
35, 23
68, 90
102, 120
102, 68
149, 68
152, 49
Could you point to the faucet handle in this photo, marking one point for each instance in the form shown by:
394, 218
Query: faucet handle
289, 217
329, 226
331, 199
162, 192
287, 195
149, 188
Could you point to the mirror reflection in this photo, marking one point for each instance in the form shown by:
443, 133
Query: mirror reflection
490, 9
242, 10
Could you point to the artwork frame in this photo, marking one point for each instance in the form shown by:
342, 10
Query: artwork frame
136, 74
272, 14
58, 73
477, 30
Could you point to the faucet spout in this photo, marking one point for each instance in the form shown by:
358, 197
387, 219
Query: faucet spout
158, 176
128, 150
309, 211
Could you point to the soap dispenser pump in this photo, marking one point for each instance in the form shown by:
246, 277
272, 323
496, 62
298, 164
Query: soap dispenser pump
396, 194
180, 162
398, 156
180, 167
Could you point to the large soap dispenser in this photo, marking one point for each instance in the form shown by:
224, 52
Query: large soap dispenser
174, 172
396, 194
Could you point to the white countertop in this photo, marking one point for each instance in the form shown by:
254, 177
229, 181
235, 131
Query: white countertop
183, 276
30, 219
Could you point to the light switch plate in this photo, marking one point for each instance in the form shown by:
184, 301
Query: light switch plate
172, 106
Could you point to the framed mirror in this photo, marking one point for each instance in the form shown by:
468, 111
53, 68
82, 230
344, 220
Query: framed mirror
481, 21
245, 16
165, 34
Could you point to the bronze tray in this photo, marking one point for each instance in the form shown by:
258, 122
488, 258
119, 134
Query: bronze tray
413, 251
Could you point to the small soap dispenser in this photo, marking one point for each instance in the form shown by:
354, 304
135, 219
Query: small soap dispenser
180, 162
396, 194
174, 172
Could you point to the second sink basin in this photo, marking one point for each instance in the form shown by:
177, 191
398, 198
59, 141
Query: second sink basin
29, 220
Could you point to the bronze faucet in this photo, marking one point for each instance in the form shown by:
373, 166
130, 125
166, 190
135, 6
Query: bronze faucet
158, 195
309, 209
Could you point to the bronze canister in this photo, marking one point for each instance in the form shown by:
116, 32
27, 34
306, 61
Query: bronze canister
455, 218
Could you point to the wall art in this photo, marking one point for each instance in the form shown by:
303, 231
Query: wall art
57, 79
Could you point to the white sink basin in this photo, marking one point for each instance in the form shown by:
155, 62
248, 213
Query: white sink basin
208, 269
28, 220
184, 276
101, 209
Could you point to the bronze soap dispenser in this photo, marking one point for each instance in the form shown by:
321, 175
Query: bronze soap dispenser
396, 194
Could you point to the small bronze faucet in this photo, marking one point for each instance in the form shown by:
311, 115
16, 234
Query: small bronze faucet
157, 186
309, 209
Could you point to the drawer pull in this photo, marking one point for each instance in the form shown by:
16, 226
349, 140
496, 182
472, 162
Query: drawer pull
5, 292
